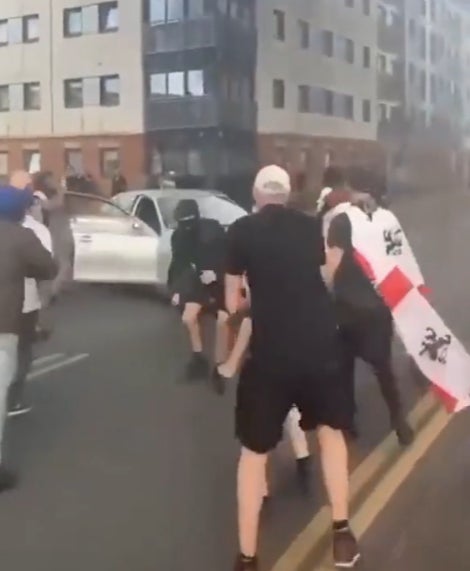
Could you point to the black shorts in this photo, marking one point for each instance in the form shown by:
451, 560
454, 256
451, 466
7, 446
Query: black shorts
210, 297
264, 400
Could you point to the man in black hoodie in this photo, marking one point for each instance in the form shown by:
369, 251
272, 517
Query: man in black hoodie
21, 256
195, 279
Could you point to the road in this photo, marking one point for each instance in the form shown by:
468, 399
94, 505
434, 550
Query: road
425, 527
126, 466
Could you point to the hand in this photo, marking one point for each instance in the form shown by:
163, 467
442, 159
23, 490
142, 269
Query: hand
208, 277
175, 300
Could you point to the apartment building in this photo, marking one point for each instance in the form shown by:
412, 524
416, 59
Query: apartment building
141, 86
71, 85
421, 88
316, 84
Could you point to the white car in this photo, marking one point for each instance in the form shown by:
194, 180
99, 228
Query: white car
128, 240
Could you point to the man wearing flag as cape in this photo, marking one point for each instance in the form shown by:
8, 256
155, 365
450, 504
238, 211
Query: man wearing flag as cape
382, 250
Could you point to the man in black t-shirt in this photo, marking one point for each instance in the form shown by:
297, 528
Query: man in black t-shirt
365, 321
295, 355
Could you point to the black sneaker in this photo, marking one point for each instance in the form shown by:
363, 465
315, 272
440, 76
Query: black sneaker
345, 549
19, 410
198, 367
404, 432
8, 480
303, 474
245, 564
218, 382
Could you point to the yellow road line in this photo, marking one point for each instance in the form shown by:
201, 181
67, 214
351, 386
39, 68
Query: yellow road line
311, 540
392, 480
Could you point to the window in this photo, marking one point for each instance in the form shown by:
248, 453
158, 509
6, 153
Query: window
31, 160
422, 84
366, 57
424, 6
382, 63
147, 212
108, 17
110, 162
3, 32
366, 7
344, 106
304, 35
3, 163
15, 31
157, 84
72, 22
278, 94
73, 93
74, 160
304, 99
412, 27
31, 28
32, 96
195, 80
165, 10
349, 51
176, 83
157, 11
329, 102
4, 98
110, 95
174, 10
197, 8
411, 72
327, 43
422, 43
366, 111
279, 25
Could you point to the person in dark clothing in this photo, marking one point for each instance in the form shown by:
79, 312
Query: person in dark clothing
195, 279
21, 256
118, 184
366, 323
294, 357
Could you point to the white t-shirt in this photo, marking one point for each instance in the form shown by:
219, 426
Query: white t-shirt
32, 301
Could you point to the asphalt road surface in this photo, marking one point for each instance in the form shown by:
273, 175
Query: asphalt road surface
126, 466
425, 527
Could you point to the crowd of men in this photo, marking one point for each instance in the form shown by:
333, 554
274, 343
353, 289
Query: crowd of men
294, 309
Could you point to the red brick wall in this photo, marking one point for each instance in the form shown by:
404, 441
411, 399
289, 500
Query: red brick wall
132, 155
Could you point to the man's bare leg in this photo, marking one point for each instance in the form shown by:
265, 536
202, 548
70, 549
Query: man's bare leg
232, 364
251, 490
198, 366
222, 335
191, 321
334, 459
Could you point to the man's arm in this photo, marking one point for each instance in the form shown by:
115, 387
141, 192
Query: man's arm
236, 266
338, 241
38, 262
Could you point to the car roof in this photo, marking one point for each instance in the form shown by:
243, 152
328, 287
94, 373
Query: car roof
171, 193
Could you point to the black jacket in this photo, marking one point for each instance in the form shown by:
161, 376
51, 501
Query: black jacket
21, 256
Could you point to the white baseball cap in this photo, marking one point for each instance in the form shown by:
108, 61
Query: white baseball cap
272, 180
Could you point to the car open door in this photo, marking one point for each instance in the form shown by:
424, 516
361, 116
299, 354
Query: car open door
111, 246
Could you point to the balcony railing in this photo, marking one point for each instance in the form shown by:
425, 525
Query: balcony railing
199, 112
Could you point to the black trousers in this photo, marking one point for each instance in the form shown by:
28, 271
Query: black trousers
26, 341
370, 338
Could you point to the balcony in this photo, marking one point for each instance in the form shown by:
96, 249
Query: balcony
205, 32
391, 38
391, 87
198, 113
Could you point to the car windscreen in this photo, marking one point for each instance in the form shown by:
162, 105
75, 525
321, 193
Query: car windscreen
86, 205
217, 207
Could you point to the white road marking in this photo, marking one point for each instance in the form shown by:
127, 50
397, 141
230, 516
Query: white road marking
60, 365
47, 359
